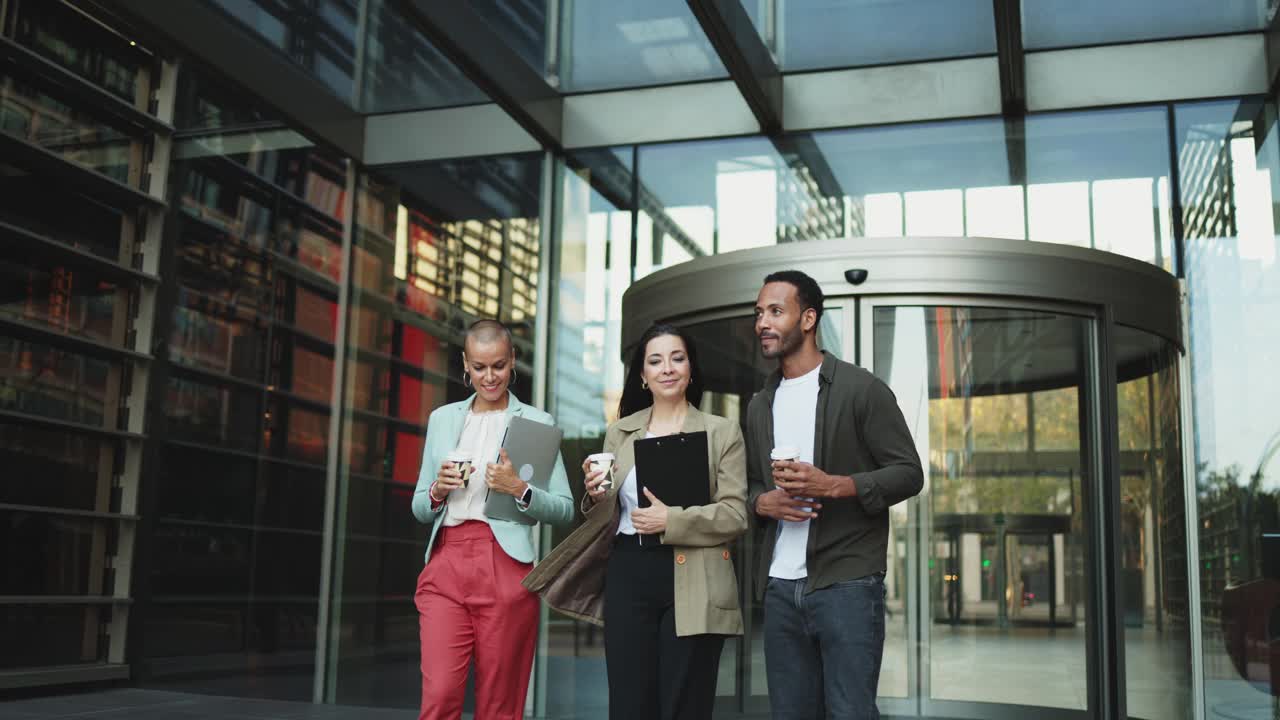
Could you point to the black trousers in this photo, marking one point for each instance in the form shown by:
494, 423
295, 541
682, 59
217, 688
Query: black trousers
653, 675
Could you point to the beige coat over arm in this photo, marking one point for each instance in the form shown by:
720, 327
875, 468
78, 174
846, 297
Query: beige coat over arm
571, 578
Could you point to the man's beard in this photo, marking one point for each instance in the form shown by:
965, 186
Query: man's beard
787, 343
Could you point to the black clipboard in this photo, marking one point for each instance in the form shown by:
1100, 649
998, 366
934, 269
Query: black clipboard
674, 469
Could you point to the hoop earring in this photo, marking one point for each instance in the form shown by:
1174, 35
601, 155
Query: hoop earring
512, 381
644, 385
466, 379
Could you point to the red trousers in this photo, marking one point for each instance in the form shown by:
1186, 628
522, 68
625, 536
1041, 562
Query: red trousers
471, 604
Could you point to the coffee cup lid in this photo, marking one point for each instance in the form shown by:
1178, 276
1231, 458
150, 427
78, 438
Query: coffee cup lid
785, 452
460, 455
600, 456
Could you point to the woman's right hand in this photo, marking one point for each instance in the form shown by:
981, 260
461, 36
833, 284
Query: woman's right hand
447, 480
594, 479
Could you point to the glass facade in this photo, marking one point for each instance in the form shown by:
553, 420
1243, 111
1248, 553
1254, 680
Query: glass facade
221, 338
817, 34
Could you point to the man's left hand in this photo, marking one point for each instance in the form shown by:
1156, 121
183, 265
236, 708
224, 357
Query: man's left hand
501, 477
804, 480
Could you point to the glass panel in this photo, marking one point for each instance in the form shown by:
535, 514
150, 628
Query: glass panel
629, 43
219, 647
38, 636
67, 36
522, 25
45, 119
1002, 517
48, 554
1153, 529
44, 206
239, 487
1230, 173
404, 71
437, 245
816, 34
68, 300
75, 471
1095, 179
593, 271
323, 44
1063, 23
40, 380
204, 103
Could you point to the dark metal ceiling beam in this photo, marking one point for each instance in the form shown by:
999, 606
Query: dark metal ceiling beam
1013, 64
209, 35
1272, 36
801, 150
745, 56
759, 80
484, 56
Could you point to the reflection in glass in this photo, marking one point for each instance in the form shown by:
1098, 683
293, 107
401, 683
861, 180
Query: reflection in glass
68, 300
1095, 179
318, 35
41, 380
45, 120
235, 580
74, 469
816, 34
1153, 529
1230, 177
42, 205
45, 636
1066, 23
403, 70
67, 36
1000, 515
630, 43
46, 554
586, 374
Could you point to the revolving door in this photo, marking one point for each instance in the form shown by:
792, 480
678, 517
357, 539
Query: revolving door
1043, 568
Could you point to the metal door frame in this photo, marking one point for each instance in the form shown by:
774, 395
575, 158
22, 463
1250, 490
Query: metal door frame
918, 702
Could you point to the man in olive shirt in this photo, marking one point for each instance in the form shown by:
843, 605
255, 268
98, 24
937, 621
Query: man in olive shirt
825, 516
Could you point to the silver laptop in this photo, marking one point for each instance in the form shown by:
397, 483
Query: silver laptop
533, 448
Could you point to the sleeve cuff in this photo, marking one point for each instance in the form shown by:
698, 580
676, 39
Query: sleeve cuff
524, 501
431, 497
868, 495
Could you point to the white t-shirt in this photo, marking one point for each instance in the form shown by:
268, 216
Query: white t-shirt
629, 497
795, 412
481, 432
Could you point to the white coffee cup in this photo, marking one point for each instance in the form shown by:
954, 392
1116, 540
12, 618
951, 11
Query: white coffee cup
461, 459
602, 461
790, 453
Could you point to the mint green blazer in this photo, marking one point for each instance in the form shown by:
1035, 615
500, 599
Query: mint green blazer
444, 428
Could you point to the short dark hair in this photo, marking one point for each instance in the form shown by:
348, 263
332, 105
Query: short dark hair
807, 290
487, 330
634, 396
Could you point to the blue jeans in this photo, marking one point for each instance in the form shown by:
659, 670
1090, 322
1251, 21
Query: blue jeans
822, 650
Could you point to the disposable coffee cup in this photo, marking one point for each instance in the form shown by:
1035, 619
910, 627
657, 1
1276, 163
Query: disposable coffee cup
790, 453
602, 462
461, 460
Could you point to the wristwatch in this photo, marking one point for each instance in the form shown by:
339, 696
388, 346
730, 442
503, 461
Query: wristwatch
527, 497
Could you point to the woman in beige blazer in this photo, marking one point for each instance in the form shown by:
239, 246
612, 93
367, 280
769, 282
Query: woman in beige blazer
660, 579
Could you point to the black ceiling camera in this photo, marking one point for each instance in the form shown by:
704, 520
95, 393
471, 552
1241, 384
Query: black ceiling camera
857, 276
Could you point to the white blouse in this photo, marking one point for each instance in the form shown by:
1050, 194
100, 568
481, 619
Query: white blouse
482, 433
629, 497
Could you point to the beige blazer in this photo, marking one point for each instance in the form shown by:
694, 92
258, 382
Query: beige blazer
571, 578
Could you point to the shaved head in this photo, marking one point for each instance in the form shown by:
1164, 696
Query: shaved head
487, 332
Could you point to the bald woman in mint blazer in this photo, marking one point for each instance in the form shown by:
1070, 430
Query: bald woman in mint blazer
471, 604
